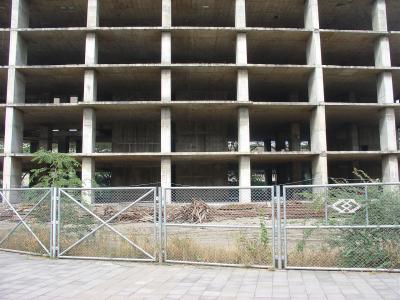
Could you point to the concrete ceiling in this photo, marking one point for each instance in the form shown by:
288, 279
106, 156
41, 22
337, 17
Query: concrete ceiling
216, 13
43, 81
277, 47
4, 47
5, 13
395, 49
57, 13
348, 48
362, 114
273, 13
279, 83
396, 84
55, 47
340, 83
129, 46
120, 13
393, 13
111, 81
345, 14
203, 46
3, 85
203, 83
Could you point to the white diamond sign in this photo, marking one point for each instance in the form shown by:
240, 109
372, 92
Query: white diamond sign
346, 206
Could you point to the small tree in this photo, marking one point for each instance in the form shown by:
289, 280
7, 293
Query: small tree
54, 170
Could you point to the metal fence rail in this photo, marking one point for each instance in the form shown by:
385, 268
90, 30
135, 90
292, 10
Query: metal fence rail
26, 221
219, 225
343, 226
108, 223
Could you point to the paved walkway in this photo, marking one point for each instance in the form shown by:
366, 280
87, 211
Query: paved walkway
24, 277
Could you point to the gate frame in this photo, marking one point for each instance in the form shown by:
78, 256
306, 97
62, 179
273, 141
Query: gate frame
58, 214
327, 186
165, 224
21, 220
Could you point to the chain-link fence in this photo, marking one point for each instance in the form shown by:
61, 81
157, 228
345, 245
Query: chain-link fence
344, 226
109, 223
26, 221
219, 225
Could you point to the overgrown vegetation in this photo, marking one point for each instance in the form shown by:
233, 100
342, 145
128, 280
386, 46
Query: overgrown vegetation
352, 247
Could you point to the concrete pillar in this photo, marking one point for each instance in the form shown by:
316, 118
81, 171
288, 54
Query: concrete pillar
44, 138
295, 136
90, 95
12, 166
355, 145
387, 120
244, 159
93, 13
166, 163
243, 95
316, 94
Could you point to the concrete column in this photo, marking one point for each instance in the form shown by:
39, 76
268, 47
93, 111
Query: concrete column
387, 121
244, 159
44, 138
12, 166
93, 13
166, 163
243, 95
355, 145
316, 94
295, 138
89, 96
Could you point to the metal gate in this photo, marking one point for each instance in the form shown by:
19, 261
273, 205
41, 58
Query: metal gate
219, 225
342, 226
108, 223
26, 221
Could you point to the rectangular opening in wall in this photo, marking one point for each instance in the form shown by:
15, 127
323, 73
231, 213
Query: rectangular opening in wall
350, 85
52, 14
127, 172
205, 13
207, 172
203, 46
128, 84
275, 172
345, 15
352, 129
279, 84
277, 47
393, 12
5, 14
204, 83
129, 46
3, 85
394, 40
348, 48
126, 13
53, 85
280, 130
4, 47
277, 14
56, 47
127, 130
342, 169
204, 130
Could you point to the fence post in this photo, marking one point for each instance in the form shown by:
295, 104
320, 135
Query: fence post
54, 222
160, 225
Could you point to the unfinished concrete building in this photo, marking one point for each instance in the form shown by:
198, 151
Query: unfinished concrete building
202, 92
